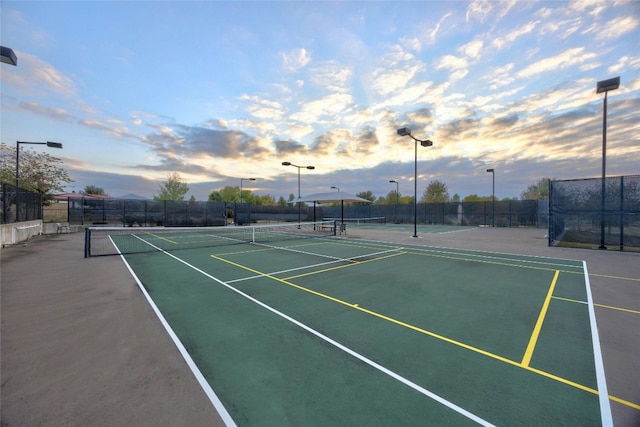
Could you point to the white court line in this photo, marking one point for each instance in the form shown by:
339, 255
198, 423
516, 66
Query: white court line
347, 350
603, 393
306, 267
213, 397
476, 253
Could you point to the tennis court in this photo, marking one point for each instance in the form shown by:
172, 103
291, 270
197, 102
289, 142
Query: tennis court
319, 329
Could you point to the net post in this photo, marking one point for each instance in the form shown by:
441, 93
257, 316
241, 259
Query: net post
87, 240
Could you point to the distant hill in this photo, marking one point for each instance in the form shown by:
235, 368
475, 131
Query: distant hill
133, 196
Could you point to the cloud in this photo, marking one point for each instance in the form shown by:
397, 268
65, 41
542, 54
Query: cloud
57, 114
561, 61
289, 147
472, 49
618, 27
295, 59
457, 65
331, 76
330, 105
510, 38
387, 81
263, 108
479, 10
39, 77
482, 10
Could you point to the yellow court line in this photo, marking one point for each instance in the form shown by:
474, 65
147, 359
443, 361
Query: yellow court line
157, 236
625, 402
353, 262
429, 333
607, 276
496, 263
247, 251
628, 310
536, 330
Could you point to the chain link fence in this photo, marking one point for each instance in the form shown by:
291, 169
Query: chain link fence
509, 213
18, 206
595, 213
144, 213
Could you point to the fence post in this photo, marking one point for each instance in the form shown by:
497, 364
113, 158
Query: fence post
621, 213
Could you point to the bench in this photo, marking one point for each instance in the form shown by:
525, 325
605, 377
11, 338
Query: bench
63, 227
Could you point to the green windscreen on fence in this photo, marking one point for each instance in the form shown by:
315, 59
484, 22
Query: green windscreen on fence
586, 213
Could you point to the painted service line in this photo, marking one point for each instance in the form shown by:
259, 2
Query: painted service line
336, 344
603, 393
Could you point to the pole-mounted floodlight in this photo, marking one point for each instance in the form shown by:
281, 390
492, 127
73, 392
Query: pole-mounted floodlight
8, 56
605, 86
424, 143
493, 196
299, 167
395, 210
241, 181
48, 144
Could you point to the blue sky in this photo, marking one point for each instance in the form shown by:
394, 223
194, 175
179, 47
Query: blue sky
219, 91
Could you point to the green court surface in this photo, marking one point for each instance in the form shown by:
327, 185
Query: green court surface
340, 331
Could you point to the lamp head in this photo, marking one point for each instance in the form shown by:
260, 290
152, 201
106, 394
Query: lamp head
286, 163
404, 131
607, 85
311, 167
8, 56
426, 143
490, 170
393, 180
54, 144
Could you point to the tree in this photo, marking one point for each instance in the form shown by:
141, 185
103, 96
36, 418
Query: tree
539, 190
231, 194
476, 198
92, 189
282, 201
266, 200
215, 196
436, 192
39, 172
391, 198
172, 189
367, 195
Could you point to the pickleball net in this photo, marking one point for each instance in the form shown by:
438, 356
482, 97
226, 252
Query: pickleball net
357, 222
101, 241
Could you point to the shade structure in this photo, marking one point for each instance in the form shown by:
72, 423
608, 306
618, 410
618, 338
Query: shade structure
333, 197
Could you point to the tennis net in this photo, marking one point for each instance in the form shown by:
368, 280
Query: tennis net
126, 240
376, 220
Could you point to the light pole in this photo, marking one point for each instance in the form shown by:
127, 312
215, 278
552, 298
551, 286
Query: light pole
604, 86
395, 211
48, 144
424, 143
238, 208
299, 167
241, 180
336, 188
493, 196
